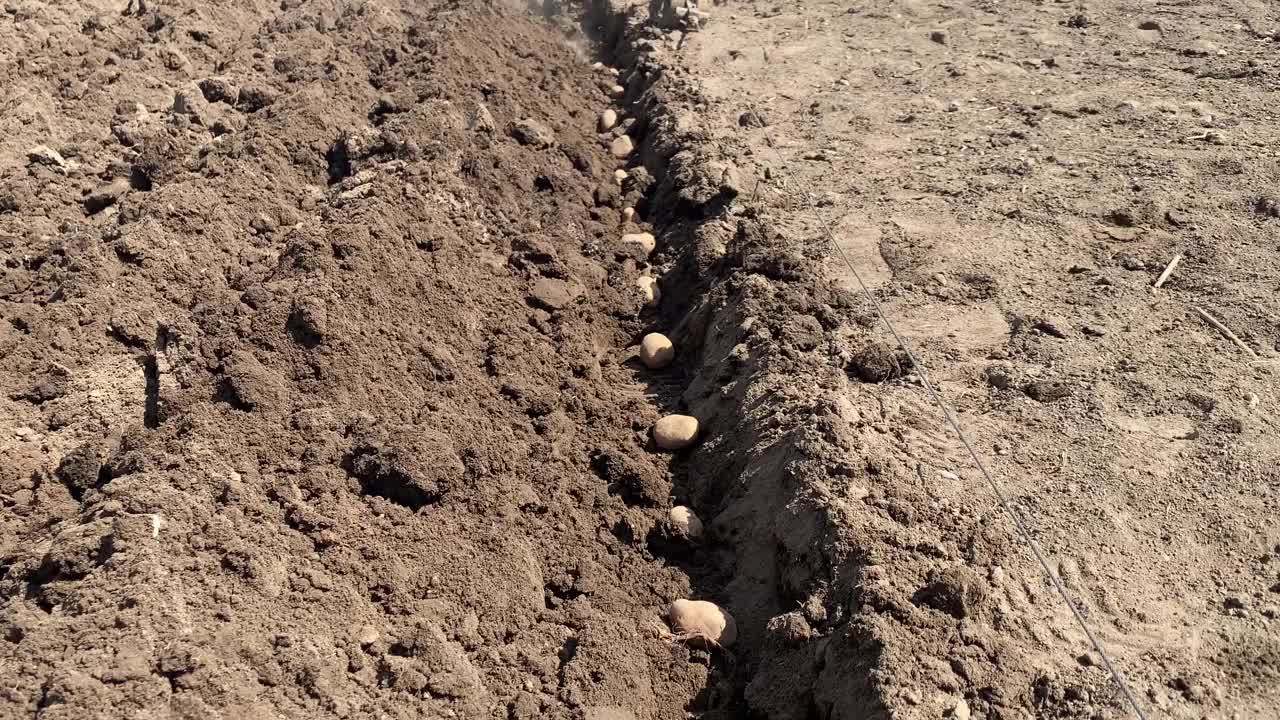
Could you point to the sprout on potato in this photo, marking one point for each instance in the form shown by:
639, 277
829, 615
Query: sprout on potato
702, 622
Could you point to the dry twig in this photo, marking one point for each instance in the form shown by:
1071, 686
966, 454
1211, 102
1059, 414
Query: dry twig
1217, 325
1168, 270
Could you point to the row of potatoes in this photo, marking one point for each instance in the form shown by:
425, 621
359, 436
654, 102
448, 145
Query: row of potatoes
697, 621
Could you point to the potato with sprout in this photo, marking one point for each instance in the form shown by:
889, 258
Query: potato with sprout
702, 623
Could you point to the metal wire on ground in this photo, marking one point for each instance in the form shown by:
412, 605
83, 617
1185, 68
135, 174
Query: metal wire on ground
1022, 529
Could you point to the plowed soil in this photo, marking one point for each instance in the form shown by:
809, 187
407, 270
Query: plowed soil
313, 335
320, 396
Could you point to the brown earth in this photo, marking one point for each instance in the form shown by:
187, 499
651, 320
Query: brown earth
1010, 179
313, 367
320, 396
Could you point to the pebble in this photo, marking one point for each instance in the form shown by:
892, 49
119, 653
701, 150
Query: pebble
532, 132
45, 155
675, 432
686, 522
481, 120
644, 240
621, 147
106, 195
939, 36
550, 293
649, 290
608, 119
619, 175
367, 636
617, 90
656, 351
960, 711
628, 214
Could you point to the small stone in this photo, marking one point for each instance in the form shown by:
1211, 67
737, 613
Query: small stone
106, 195
1051, 327
939, 36
645, 240
617, 90
45, 155
656, 351
367, 636
607, 120
752, 119
953, 106
551, 294
686, 522
1234, 603
619, 175
960, 711
621, 147
1268, 206
675, 432
628, 214
1048, 390
481, 120
532, 132
649, 290
1202, 48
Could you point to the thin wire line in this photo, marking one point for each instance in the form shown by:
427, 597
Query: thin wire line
995, 486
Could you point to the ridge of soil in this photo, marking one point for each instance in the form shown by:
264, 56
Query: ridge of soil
874, 575
316, 384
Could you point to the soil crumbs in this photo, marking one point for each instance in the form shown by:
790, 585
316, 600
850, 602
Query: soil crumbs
1011, 180
312, 330
319, 405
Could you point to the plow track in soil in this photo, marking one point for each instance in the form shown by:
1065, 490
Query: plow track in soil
321, 400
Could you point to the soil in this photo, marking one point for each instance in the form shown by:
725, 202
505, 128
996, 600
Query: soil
320, 396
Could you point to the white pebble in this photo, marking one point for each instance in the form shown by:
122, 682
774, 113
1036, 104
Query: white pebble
686, 522
608, 119
656, 351
619, 175
621, 147
643, 239
628, 214
699, 619
675, 432
617, 90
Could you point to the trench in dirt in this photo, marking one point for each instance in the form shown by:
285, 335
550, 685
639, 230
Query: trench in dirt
330, 409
